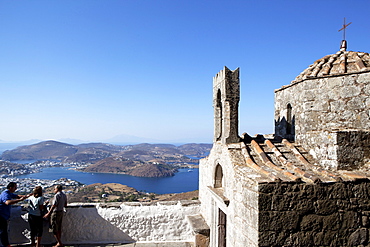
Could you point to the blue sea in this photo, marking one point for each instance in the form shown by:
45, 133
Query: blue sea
184, 180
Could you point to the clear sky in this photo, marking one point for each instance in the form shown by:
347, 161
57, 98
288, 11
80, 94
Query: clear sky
96, 69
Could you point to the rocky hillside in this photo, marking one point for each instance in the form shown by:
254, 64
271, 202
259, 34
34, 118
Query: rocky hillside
104, 192
43, 150
53, 150
113, 192
195, 149
130, 167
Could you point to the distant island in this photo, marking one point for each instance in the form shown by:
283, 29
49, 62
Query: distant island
142, 160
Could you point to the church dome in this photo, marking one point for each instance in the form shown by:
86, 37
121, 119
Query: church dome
341, 63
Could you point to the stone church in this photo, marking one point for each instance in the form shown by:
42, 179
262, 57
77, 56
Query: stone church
306, 185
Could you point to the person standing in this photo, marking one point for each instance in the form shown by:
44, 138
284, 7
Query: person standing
7, 198
56, 212
35, 215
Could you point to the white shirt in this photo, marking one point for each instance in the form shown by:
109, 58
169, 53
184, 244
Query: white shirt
35, 203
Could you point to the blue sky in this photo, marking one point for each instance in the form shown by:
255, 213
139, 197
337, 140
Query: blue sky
96, 69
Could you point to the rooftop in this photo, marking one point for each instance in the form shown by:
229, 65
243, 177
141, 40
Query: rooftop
340, 63
281, 160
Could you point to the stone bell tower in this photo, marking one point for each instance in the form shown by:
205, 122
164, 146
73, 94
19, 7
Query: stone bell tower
226, 95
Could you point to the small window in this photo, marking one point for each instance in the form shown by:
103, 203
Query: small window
289, 120
218, 176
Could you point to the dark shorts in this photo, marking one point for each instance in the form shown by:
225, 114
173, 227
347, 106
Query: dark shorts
4, 231
36, 225
56, 221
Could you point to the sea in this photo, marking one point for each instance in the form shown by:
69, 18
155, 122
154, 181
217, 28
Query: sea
184, 180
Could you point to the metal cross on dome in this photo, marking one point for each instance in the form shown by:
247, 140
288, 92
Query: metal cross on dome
344, 28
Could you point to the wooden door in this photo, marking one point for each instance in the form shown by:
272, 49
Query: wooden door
221, 228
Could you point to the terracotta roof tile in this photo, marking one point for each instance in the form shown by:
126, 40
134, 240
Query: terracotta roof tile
282, 160
343, 62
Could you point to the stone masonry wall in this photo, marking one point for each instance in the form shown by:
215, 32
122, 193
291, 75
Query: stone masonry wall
243, 211
239, 187
353, 149
324, 214
321, 107
114, 223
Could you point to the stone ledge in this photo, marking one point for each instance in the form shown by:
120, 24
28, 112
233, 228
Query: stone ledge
82, 205
198, 224
183, 203
218, 193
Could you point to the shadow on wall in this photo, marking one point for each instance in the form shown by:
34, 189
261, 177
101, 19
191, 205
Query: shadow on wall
285, 128
353, 149
81, 225
19, 227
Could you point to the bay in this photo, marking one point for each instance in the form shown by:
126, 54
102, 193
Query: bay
182, 181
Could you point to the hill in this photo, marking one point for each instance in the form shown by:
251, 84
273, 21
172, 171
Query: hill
130, 167
43, 150
113, 192
53, 150
145, 160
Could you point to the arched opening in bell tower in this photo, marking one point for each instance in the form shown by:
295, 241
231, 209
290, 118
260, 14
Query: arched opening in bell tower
218, 176
218, 116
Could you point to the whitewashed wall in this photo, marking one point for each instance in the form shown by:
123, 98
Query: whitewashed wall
114, 223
